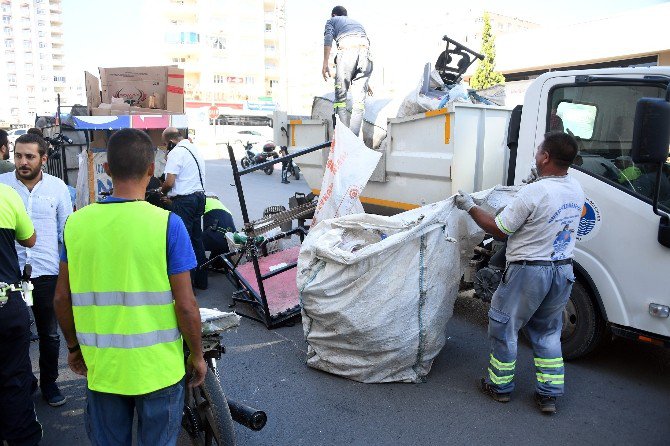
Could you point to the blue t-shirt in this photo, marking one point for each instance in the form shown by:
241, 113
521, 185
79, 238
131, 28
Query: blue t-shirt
180, 255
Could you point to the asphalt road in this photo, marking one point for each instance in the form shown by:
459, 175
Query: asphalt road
618, 396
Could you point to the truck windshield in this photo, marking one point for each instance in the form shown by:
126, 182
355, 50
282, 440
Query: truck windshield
601, 119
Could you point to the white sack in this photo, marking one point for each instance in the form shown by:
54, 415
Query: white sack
377, 292
348, 170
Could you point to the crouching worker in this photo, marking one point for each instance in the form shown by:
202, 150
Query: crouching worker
216, 221
540, 225
124, 300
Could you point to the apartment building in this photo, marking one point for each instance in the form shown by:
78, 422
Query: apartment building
32, 67
231, 51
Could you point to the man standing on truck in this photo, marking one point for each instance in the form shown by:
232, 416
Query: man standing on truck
123, 320
540, 225
18, 423
47, 200
185, 186
352, 65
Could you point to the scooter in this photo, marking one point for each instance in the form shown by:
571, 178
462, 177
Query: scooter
252, 158
288, 167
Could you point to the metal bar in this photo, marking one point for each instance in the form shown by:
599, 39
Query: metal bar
238, 185
457, 44
279, 270
281, 158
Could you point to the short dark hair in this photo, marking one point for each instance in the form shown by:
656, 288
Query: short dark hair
130, 152
561, 147
35, 131
339, 11
171, 136
4, 138
31, 138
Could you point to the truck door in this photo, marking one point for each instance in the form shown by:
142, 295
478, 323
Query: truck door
617, 247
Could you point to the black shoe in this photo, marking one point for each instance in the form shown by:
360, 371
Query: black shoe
34, 337
51, 394
285, 182
490, 391
546, 403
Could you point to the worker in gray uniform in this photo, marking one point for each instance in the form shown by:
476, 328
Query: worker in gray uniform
540, 225
352, 65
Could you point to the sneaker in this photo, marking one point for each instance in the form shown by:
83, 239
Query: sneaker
546, 403
51, 394
487, 389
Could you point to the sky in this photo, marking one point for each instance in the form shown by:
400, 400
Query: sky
123, 32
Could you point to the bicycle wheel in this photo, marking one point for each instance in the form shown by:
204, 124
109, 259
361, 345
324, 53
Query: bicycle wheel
208, 409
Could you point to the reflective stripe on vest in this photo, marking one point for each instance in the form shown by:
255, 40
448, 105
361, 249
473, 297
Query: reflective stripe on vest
128, 341
121, 298
122, 301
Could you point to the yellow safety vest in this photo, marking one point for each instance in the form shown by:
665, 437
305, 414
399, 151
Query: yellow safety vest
121, 297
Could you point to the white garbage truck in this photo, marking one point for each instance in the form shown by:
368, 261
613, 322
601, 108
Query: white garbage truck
623, 247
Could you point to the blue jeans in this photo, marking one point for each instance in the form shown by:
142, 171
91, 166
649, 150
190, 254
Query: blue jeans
109, 417
530, 297
191, 208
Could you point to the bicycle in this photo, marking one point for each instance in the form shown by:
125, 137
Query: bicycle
208, 416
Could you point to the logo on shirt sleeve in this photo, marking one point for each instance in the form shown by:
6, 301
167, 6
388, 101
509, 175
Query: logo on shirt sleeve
590, 222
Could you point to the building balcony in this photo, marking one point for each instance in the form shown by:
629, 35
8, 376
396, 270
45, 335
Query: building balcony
55, 7
56, 19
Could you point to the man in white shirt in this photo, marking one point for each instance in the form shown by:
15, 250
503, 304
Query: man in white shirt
48, 203
185, 186
540, 225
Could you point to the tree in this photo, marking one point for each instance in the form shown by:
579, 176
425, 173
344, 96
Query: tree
485, 76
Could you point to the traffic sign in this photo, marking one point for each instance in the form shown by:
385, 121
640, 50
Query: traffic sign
213, 112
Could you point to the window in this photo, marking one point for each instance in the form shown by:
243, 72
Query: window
9, 43
41, 23
41, 11
59, 78
11, 79
27, 44
249, 80
15, 112
178, 59
218, 43
41, 34
6, 7
268, 27
601, 119
28, 67
188, 38
7, 19
8, 30
219, 78
11, 67
42, 45
43, 56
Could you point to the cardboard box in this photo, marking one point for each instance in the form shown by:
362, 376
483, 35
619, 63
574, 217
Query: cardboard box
100, 112
92, 85
175, 90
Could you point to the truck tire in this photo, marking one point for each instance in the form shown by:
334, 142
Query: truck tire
583, 326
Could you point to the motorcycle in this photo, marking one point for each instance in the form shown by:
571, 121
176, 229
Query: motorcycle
253, 158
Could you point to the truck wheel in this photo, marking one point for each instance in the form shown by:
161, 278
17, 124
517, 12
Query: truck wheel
583, 326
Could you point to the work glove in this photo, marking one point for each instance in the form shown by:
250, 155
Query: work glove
464, 201
534, 176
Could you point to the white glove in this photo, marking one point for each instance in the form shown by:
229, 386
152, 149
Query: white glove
532, 177
464, 201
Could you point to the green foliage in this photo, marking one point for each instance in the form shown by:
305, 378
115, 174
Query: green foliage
485, 75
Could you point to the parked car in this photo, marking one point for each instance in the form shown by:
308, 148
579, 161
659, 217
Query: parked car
12, 136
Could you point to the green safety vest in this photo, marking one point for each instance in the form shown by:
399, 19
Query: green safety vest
213, 203
122, 301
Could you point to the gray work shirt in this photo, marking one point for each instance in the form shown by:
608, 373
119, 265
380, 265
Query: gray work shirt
340, 26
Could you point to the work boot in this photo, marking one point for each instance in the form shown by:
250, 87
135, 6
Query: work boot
487, 389
51, 394
546, 403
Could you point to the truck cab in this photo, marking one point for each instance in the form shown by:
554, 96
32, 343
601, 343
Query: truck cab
619, 262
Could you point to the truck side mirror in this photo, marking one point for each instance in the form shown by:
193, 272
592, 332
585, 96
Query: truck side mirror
651, 131
651, 138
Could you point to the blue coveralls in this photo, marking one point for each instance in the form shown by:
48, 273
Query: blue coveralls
531, 297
